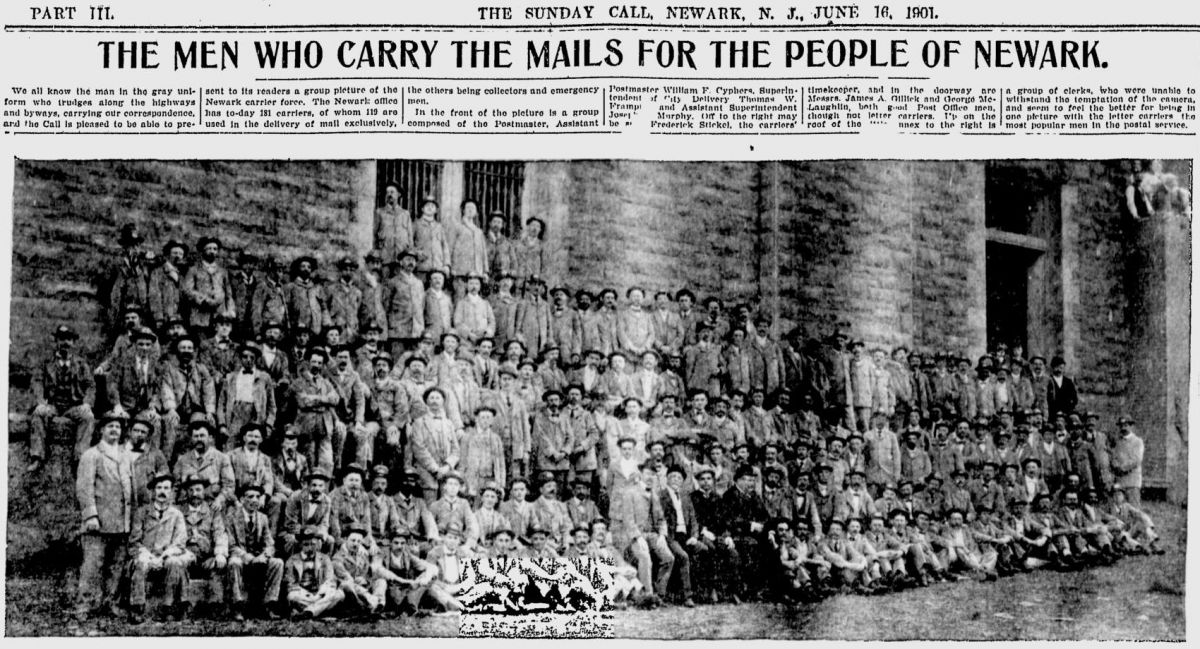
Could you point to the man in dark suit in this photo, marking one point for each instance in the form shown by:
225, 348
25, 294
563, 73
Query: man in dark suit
252, 554
63, 387
683, 531
745, 517
718, 558
1060, 390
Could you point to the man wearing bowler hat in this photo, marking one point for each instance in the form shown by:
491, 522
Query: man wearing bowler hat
63, 388
269, 302
166, 300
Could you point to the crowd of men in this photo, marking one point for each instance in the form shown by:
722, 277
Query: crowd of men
353, 445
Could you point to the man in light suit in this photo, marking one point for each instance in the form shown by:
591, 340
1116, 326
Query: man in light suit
104, 488
1126, 460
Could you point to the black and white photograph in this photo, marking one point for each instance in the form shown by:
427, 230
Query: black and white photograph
841, 399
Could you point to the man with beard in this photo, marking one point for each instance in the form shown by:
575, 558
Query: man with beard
915, 464
252, 561
315, 400
188, 391
393, 223
63, 388
350, 506
504, 308
390, 412
303, 298
204, 462
343, 300
207, 288
250, 464
158, 545
552, 441
247, 397
207, 540
166, 284
856, 501
404, 305
289, 467
218, 352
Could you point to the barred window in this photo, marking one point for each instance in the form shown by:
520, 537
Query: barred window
416, 179
496, 186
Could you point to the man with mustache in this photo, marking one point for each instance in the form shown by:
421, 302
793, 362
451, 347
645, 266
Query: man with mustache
207, 287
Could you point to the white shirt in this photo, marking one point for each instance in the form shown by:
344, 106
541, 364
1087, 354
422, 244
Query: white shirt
680, 525
244, 387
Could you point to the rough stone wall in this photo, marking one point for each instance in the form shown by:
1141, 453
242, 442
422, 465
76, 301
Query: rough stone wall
66, 216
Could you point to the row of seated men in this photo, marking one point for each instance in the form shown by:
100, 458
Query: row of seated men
661, 531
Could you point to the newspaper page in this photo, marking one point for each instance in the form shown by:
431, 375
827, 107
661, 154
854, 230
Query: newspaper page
515, 319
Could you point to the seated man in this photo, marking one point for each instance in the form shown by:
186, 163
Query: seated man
308, 509
207, 541
454, 573
962, 552
450, 509
252, 560
408, 576
804, 571
312, 587
359, 574
157, 545
1134, 525
848, 567
891, 561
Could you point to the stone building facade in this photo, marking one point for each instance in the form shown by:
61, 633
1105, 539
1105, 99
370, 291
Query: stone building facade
937, 256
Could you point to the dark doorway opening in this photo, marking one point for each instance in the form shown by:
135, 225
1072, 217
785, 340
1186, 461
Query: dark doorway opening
1008, 271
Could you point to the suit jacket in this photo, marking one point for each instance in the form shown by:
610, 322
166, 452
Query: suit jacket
342, 304
1061, 399
741, 509
156, 533
404, 307
64, 387
552, 442
690, 523
324, 573
252, 471
209, 293
287, 480
148, 464
213, 467
249, 534
104, 488
269, 303
264, 399
1126, 459
195, 386
205, 531
305, 307
133, 392
296, 516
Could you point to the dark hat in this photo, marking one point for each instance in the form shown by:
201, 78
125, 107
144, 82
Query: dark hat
316, 475
290, 431
536, 529
63, 332
374, 326
197, 424
247, 488
705, 471
204, 241
347, 263
493, 487
373, 256
249, 347
932, 477
252, 426
1125, 419
548, 393
958, 472
822, 467
272, 324
312, 261
743, 471
129, 235
191, 480
546, 476
143, 333
771, 469
163, 477
309, 532
914, 433
380, 471
1031, 460
244, 257
502, 531
354, 468
451, 475
357, 529
131, 308
406, 253
622, 440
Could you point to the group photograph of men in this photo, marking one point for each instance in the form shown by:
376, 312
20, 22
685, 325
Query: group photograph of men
433, 429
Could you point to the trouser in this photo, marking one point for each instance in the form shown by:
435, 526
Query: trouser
401, 596
315, 603
81, 418
1133, 495
100, 572
715, 566
242, 413
173, 569
364, 442
268, 574
750, 577
640, 551
862, 417
319, 448
683, 564
369, 596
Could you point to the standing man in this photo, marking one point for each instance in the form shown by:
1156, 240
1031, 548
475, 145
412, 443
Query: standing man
404, 305
1061, 395
315, 400
104, 488
63, 388
166, 285
1127, 454
467, 246
247, 397
499, 246
187, 389
269, 303
429, 239
302, 295
207, 288
393, 223
344, 300
474, 318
